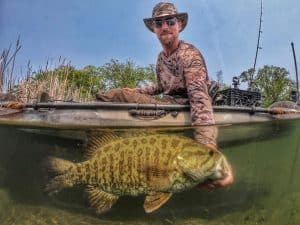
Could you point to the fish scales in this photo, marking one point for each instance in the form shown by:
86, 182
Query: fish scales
131, 165
142, 164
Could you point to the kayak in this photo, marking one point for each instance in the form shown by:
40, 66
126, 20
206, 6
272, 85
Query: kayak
93, 115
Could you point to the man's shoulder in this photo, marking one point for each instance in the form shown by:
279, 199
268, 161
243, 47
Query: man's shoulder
188, 46
188, 51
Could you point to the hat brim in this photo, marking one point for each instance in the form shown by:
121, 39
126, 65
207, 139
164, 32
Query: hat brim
183, 17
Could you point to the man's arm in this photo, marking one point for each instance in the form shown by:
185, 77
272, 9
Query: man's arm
207, 135
149, 90
196, 79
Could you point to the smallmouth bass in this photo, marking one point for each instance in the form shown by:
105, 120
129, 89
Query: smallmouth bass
155, 165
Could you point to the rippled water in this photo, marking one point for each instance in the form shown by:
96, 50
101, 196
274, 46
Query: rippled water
266, 190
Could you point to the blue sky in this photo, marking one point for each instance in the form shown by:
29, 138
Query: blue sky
95, 31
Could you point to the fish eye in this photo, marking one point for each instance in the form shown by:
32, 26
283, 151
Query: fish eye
211, 153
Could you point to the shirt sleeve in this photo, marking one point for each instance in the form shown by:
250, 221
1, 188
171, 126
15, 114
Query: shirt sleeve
196, 79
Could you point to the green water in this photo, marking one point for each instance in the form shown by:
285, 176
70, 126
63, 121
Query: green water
266, 190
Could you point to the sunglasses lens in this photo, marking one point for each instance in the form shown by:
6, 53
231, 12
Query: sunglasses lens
169, 22
158, 23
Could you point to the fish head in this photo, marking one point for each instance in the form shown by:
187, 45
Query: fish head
199, 163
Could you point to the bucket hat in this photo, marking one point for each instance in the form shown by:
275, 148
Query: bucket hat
165, 9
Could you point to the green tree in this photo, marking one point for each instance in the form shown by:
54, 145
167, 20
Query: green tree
274, 84
116, 74
87, 79
246, 76
91, 79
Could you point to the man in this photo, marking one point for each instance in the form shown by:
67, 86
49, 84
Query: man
181, 77
181, 70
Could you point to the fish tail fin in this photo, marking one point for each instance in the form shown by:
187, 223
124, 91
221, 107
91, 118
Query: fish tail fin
63, 173
59, 166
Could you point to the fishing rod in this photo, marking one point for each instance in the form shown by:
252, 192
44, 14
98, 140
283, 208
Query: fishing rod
296, 70
257, 46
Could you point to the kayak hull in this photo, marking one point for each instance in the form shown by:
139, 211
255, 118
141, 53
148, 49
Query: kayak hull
114, 117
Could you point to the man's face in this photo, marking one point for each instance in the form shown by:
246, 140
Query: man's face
167, 30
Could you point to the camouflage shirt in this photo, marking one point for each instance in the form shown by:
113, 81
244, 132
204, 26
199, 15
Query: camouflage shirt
184, 74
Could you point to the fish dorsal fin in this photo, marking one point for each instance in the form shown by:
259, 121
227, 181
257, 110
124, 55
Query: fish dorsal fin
100, 200
155, 200
95, 140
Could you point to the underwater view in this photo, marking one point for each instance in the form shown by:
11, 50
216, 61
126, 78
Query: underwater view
266, 189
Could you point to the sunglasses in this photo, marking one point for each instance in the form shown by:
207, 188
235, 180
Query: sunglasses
169, 21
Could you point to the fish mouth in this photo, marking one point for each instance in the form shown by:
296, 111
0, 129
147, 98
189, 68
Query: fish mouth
219, 170
217, 173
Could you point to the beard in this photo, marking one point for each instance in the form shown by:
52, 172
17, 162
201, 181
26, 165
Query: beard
167, 39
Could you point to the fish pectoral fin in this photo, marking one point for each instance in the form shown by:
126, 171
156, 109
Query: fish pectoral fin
158, 177
100, 200
155, 200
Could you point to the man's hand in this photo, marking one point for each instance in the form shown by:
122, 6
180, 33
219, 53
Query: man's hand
15, 105
129, 89
207, 135
210, 185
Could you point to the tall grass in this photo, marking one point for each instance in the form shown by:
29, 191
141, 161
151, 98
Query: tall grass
28, 89
56, 85
7, 66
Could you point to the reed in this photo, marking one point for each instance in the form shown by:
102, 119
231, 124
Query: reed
28, 87
7, 66
57, 85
